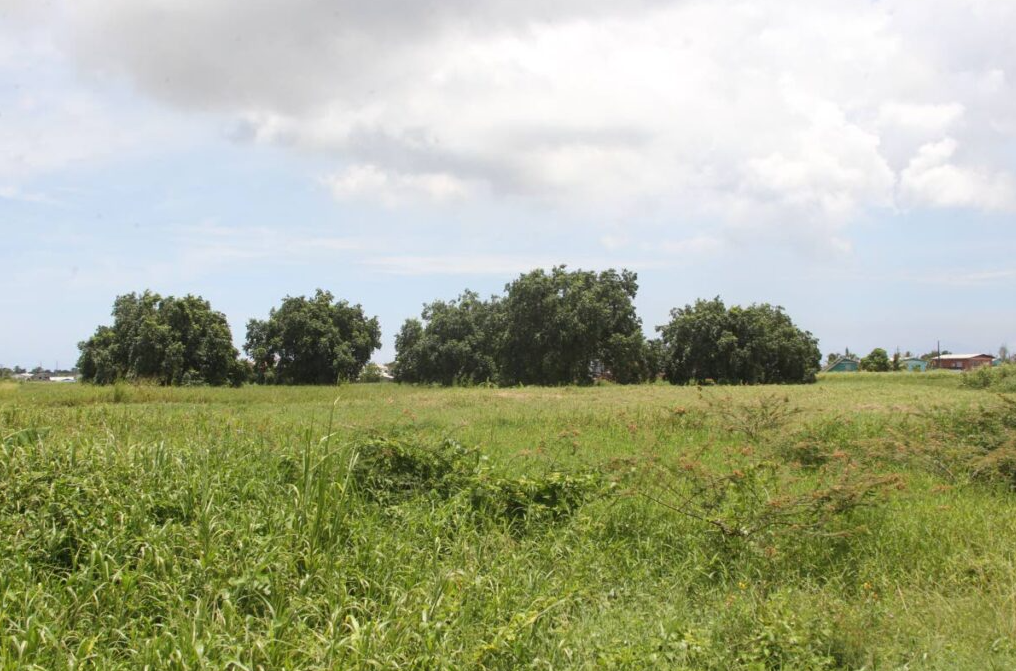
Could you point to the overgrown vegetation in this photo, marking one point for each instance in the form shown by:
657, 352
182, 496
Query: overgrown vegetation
997, 378
858, 523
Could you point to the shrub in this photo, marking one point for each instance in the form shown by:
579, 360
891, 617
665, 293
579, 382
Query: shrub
971, 444
998, 378
389, 470
550, 497
752, 499
754, 419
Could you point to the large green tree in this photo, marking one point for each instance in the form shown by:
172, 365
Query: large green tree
314, 340
758, 344
455, 343
877, 361
565, 327
167, 340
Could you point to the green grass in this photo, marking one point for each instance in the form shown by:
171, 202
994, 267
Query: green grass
324, 527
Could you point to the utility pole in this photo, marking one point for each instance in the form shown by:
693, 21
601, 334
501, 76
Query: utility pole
938, 354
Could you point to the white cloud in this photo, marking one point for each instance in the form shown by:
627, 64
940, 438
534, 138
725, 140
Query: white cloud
927, 118
612, 242
391, 188
960, 277
50, 120
12, 192
698, 246
776, 118
933, 178
210, 245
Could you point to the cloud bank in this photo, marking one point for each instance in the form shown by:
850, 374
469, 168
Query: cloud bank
785, 118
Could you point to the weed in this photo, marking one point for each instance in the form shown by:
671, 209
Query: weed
753, 498
755, 419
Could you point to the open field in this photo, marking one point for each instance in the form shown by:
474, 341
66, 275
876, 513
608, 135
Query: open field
867, 521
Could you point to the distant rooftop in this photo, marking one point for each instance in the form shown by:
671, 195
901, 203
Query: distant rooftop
953, 357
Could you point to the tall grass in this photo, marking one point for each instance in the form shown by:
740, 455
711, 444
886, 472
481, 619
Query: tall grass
400, 527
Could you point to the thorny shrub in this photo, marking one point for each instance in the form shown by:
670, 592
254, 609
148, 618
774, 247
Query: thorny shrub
755, 419
964, 445
752, 498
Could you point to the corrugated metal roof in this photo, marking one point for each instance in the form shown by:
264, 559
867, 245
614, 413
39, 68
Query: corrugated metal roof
953, 357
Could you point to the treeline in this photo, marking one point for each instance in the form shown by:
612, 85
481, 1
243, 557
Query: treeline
548, 328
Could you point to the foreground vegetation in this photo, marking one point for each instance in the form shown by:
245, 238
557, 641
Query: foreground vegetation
868, 521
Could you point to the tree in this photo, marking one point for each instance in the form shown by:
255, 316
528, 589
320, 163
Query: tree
312, 341
876, 361
564, 326
167, 340
655, 359
758, 344
407, 366
455, 343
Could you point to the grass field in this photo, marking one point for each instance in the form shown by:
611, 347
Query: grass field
867, 521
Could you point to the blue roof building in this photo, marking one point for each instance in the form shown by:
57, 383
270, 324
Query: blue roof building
843, 365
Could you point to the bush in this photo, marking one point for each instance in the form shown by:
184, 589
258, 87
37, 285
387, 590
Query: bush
551, 497
389, 470
392, 471
752, 500
998, 378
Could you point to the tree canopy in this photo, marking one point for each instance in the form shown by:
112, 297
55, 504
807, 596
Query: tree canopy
877, 361
758, 344
557, 327
455, 343
565, 327
314, 340
163, 339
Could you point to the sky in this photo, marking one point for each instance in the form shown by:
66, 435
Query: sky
852, 161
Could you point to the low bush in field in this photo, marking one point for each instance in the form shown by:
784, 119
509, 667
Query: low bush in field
391, 470
965, 444
751, 499
996, 378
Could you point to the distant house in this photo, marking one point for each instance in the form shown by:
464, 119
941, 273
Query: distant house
913, 364
40, 377
22, 376
844, 364
961, 361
